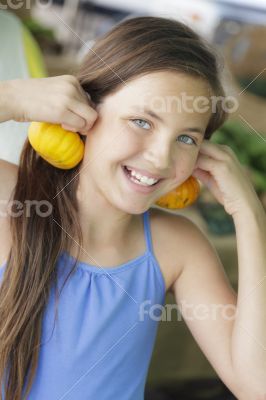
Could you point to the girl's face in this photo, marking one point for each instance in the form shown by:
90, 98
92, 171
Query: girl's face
165, 144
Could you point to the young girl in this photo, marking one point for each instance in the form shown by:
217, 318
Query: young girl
84, 255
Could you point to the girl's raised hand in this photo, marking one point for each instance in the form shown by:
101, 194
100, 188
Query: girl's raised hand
59, 100
219, 169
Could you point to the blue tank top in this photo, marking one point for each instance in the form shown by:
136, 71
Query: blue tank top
104, 336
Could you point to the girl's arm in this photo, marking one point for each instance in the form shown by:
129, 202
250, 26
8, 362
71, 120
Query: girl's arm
249, 332
5, 101
230, 328
59, 100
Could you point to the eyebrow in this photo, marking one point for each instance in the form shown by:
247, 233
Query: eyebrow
156, 116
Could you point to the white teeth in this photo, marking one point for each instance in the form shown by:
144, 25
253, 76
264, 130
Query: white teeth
143, 179
138, 182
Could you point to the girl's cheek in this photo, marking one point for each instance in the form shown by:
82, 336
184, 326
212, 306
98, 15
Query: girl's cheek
183, 167
130, 138
179, 174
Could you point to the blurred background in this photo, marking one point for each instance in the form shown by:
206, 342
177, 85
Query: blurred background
48, 38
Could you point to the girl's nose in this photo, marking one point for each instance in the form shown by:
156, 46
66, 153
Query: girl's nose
160, 155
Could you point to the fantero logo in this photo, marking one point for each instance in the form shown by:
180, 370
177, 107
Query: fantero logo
25, 4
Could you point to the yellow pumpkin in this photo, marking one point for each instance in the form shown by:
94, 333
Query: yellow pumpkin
182, 196
59, 147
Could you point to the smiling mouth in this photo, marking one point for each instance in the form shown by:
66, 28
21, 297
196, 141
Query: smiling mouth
129, 175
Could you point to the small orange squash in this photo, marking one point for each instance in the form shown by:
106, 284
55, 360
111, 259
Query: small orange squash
182, 196
59, 147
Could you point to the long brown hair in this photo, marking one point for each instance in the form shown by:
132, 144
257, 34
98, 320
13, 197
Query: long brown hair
135, 46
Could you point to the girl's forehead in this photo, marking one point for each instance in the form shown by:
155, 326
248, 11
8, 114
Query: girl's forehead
164, 84
163, 93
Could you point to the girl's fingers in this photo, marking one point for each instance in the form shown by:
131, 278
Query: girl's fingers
73, 120
207, 179
86, 112
80, 119
84, 97
203, 176
69, 128
206, 163
81, 93
218, 151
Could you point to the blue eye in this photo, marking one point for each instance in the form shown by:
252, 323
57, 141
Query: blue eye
193, 141
143, 120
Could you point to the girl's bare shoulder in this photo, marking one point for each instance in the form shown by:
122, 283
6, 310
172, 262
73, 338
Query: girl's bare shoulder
171, 236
